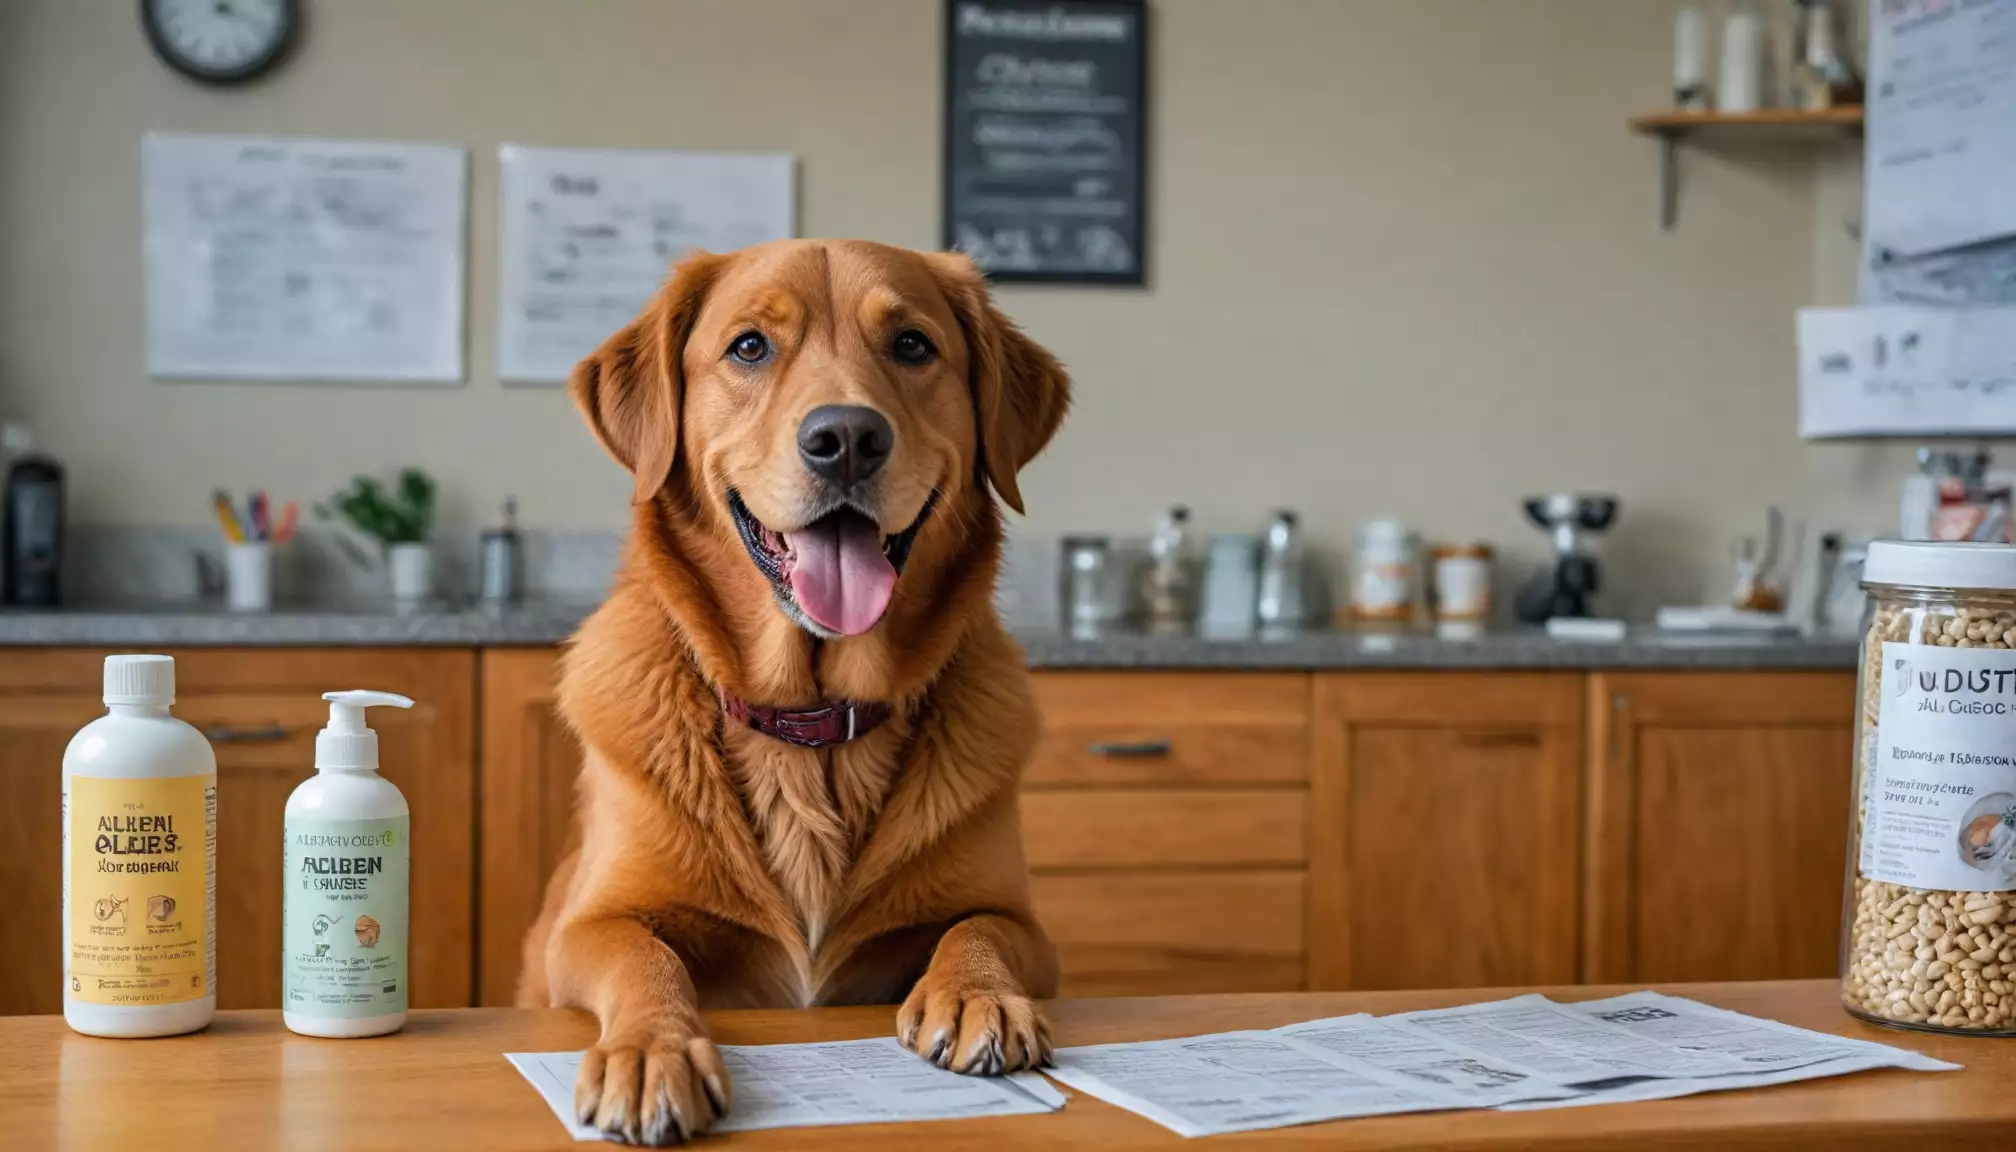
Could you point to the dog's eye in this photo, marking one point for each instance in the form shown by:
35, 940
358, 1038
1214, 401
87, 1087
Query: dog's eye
913, 347
750, 348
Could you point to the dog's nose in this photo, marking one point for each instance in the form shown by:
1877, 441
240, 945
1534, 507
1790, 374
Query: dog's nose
845, 443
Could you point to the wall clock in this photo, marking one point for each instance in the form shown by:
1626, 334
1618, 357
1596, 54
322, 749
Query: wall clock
220, 41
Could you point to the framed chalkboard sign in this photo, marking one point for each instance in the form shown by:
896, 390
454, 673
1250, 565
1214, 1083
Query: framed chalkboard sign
1045, 130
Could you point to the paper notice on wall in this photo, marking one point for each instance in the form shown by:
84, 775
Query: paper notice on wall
822, 1084
1902, 371
287, 258
1941, 158
588, 235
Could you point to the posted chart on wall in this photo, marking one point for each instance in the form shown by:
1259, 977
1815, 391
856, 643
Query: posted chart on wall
290, 258
587, 235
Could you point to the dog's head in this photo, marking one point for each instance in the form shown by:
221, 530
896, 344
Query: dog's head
835, 406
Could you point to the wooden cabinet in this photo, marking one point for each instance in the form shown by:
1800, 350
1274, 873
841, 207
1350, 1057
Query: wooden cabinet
1717, 835
1186, 831
1443, 829
530, 760
1165, 817
261, 710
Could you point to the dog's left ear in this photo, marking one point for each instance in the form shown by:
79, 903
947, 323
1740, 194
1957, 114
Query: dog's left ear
630, 389
1020, 391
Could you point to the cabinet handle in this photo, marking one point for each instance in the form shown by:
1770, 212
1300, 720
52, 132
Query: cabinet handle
225, 734
1498, 739
1129, 749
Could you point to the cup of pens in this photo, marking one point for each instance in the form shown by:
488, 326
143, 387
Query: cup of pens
249, 540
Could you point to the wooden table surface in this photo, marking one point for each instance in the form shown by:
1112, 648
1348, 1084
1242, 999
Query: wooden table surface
443, 1083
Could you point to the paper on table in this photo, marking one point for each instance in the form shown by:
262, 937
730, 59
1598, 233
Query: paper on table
1240, 1081
587, 236
1790, 1054
814, 1085
1481, 1079
1534, 1031
272, 257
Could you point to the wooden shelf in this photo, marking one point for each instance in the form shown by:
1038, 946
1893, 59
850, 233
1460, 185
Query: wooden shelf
1771, 126
1771, 123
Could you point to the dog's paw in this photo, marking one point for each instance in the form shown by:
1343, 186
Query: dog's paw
981, 1031
654, 1086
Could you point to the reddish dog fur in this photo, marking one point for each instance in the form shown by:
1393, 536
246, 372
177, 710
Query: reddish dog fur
719, 867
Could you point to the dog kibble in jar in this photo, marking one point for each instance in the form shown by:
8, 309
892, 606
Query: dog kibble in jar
1930, 931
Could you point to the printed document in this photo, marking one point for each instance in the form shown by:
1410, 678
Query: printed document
874, 1081
1523, 1053
288, 258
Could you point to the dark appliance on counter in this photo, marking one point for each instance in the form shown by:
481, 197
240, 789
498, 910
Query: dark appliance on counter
31, 532
1570, 581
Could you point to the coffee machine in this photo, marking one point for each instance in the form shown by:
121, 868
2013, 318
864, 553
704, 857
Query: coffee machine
1570, 581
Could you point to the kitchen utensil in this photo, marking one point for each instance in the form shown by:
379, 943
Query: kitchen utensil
1283, 602
290, 519
1568, 585
1231, 586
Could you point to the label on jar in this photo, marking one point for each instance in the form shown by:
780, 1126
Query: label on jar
344, 944
140, 888
1941, 779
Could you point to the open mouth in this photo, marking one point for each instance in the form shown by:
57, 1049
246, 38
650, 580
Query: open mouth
837, 574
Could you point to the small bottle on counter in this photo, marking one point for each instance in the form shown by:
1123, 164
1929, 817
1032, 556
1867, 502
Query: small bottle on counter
349, 842
1385, 573
1462, 582
1169, 587
139, 862
502, 559
1284, 593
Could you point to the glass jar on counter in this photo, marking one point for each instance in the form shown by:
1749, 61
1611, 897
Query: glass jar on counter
1929, 931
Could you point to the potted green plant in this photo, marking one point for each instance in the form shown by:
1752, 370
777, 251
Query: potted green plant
399, 518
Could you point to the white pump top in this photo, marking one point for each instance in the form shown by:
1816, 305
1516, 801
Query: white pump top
348, 744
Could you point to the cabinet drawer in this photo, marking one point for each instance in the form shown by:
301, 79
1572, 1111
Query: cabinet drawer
1171, 933
1171, 728
1127, 828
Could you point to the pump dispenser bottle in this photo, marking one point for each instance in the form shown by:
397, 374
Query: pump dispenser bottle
344, 939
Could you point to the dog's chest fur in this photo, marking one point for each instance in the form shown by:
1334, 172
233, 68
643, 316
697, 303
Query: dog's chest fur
812, 810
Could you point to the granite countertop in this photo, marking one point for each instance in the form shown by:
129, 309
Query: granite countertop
442, 624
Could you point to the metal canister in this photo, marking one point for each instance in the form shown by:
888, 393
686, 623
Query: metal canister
501, 560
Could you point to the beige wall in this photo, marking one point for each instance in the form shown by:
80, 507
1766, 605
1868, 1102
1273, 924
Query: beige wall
1404, 259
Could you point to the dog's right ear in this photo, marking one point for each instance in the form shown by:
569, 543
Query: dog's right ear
630, 388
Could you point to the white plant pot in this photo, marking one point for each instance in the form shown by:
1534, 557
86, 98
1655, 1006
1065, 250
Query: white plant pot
412, 569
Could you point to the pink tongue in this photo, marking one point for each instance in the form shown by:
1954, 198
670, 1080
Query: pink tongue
839, 574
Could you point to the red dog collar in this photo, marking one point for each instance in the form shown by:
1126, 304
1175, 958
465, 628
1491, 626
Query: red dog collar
833, 723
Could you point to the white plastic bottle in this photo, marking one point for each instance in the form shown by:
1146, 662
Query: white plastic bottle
139, 862
343, 943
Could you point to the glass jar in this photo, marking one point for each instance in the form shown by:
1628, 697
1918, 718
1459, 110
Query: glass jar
1928, 936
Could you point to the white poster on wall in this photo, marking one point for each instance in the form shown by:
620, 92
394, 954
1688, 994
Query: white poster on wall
288, 258
587, 235
1901, 371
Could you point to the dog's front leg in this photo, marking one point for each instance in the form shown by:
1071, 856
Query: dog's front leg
655, 1076
972, 1011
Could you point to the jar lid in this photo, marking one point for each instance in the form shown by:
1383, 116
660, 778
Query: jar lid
1940, 564
1479, 550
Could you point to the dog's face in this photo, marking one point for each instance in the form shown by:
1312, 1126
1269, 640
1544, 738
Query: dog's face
827, 404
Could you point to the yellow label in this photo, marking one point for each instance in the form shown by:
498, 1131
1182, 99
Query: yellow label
140, 889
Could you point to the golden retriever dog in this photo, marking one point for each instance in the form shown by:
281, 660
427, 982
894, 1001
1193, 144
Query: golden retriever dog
802, 721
